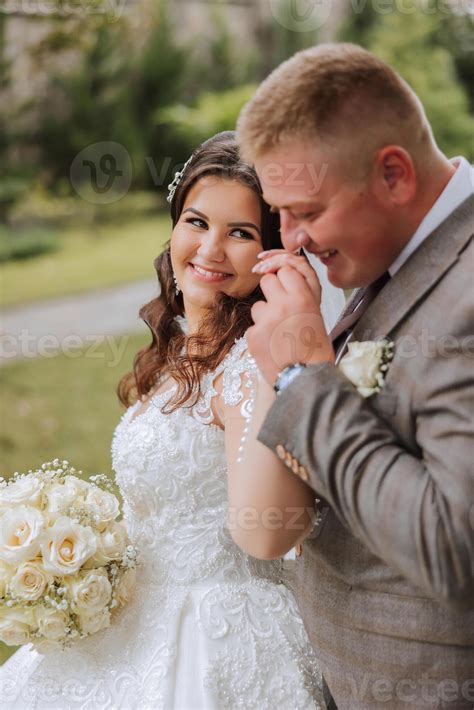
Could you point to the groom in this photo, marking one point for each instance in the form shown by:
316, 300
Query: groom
345, 152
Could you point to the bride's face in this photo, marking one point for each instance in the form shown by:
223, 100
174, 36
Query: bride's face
215, 242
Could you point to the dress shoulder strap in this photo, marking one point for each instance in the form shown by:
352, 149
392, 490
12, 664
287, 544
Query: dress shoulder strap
236, 370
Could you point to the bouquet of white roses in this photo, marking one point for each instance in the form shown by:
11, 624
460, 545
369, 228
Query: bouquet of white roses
65, 561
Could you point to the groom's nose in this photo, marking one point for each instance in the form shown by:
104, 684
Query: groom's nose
292, 236
289, 230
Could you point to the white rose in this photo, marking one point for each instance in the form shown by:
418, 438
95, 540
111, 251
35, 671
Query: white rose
91, 590
91, 623
125, 587
111, 544
21, 528
29, 581
6, 573
61, 496
361, 365
52, 623
16, 625
67, 545
22, 491
103, 504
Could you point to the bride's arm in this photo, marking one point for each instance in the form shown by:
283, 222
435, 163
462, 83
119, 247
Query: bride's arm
270, 508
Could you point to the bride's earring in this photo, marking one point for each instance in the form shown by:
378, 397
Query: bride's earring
176, 287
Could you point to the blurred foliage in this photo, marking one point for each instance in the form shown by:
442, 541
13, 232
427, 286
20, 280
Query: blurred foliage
23, 244
415, 41
115, 81
84, 104
159, 97
11, 191
279, 40
40, 207
212, 112
456, 34
223, 63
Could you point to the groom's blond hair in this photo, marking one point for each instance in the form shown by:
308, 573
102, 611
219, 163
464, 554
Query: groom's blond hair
341, 96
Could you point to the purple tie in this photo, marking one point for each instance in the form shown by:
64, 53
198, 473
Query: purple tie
346, 323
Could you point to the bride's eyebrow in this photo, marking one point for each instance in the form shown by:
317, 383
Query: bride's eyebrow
199, 214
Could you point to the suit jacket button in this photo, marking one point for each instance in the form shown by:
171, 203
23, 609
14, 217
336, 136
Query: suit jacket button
280, 451
298, 550
303, 473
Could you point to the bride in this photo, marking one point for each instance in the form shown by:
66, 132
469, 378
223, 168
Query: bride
208, 626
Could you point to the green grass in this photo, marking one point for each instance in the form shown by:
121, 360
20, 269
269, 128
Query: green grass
65, 407
90, 257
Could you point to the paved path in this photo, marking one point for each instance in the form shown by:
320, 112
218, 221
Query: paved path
46, 327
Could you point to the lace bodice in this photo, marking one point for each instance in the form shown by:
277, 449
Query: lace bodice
171, 469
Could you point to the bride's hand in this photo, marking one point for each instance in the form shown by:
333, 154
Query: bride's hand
275, 259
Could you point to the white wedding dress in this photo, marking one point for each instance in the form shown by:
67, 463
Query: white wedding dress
208, 626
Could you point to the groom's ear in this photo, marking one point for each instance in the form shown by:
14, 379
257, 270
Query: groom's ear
395, 176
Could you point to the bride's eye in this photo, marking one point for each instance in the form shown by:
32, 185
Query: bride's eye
197, 222
242, 233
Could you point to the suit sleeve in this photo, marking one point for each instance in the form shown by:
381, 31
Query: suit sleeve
414, 510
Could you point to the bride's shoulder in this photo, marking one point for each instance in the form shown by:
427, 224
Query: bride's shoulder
238, 356
236, 371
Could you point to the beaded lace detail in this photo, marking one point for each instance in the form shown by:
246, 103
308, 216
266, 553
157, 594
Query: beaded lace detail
209, 626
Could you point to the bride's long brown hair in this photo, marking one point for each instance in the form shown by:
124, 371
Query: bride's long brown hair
186, 358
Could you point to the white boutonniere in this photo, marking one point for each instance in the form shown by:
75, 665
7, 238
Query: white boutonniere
366, 365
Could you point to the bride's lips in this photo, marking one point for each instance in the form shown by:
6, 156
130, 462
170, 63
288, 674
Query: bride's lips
209, 277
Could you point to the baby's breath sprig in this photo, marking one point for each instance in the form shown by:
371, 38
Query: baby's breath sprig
56, 596
102, 481
84, 516
129, 558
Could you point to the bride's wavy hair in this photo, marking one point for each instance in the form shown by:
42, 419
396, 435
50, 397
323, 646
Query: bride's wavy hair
225, 322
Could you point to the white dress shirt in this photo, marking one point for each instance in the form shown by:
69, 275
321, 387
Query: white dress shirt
458, 189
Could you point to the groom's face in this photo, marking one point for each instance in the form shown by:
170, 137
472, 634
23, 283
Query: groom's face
346, 225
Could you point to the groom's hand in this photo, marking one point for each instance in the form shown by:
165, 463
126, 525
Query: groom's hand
289, 326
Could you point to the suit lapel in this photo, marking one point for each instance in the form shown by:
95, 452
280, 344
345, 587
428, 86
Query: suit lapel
418, 275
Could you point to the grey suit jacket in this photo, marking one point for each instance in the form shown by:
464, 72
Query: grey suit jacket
386, 583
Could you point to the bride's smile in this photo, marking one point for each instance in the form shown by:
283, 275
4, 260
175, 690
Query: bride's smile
215, 243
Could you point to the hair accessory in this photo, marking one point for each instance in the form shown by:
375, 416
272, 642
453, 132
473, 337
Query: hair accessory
176, 180
176, 287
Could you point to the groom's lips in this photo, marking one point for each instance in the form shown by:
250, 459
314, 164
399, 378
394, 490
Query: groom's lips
323, 255
327, 257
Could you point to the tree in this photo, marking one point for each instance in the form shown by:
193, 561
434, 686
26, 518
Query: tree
415, 43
